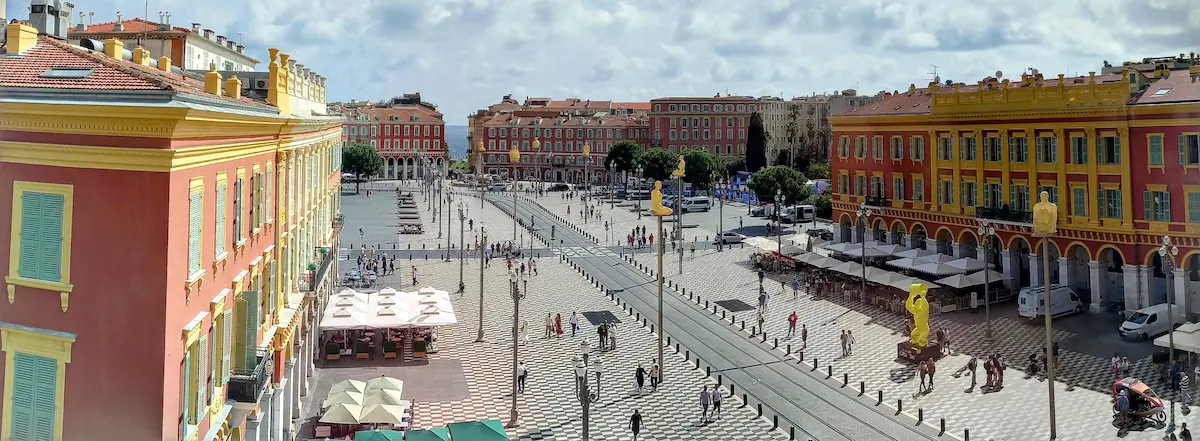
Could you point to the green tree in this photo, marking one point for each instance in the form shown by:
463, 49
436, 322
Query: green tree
361, 160
756, 143
657, 164
824, 205
784, 157
733, 166
818, 170
701, 164
767, 181
624, 156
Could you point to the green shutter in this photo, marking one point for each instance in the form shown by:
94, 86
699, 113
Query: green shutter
185, 389
250, 324
31, 236
24, 396
1117, 149
1183, 149
1167, 205
1148, 205
45, 398
195, 217
41, 236
227, 347
269, 206
202, 370
219, 231
1193, 203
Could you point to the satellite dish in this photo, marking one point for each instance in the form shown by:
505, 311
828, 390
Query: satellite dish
1035, 71
999, 75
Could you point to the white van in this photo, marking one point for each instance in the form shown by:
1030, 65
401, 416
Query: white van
1063, 301
697, 203
804, 213
1149, 322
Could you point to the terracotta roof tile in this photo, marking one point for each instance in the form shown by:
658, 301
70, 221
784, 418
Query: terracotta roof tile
25, 71
1179, 87
916, 102
403, 113
632, 105
615, 121
131, 25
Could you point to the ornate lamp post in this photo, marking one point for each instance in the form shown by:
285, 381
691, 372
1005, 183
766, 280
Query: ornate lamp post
1045, 225
986, 231
780, 201
481, 241
612, 181
514, 156
537, 150
479, 173
638, 172
584, 392
587, 182
723, 185
661, 248
864, 214
462, 243
678, 234
1166, 254
514, 279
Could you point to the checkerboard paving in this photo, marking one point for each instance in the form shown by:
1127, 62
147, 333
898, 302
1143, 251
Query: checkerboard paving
549, 410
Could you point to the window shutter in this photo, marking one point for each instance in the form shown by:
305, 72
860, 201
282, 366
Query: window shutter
269, 201
24, 396
202, 370
45, 398
1167, 205
1012, 149
185, 388
1182, 149
1148, 205
195, 213
1117, 149
52, 237
227, 347
31, 236
250, 324
219, 231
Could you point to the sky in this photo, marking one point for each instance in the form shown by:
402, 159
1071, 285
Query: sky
466, 54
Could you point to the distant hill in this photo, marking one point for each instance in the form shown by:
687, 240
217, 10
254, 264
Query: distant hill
456, 136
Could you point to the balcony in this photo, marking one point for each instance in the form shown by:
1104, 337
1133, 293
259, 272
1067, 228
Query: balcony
339, 221
247, 385
876, 201
1004, 215
310, 281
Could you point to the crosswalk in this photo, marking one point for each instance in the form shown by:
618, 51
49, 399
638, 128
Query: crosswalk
584, 252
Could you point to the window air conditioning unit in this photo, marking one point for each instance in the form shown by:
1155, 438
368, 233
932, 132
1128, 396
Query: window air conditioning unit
260, 83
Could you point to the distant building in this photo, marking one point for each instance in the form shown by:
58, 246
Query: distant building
408, 133
717, 124
807, 111
191, 49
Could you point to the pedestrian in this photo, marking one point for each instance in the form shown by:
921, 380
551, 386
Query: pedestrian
762, 319
716, 402
693, 249
762, 299
635, 424
1127, 366
640, 377
654, 373
414, 275
921, 370
549, 324
989, 370
849, 342
946, 341
970, 366
1185, 392
602, 332
795, 287
803, 337
845, 343
612, 336
558, 329
462, 289
525, 331
574, 323
1185, 434
792, 323
704, 399
1116, 365
930, 366
522, 373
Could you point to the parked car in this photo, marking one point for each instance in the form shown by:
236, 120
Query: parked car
498, 187
762, 211
696, 203
1149, 322
558, 187
729, 237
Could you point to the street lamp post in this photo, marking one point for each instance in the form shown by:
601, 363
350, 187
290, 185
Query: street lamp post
780, 200
462, 243
661, 247
587, 182
514, 416
612, 180
1045, 225
721, 217
864, 214
678, 235
536, 145
1166, 254
514, 156
481, 241
986, 231
583, 390
638, 171
479, 173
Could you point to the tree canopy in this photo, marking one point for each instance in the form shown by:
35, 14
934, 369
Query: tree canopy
818, 170
361, 160
767, 181
624, 155
700, 165
733, 166
756, 143
658, 163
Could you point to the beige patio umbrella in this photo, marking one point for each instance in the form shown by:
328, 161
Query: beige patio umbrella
342, 414
384, 383
344, 397
383, 396
382, 414
349, 386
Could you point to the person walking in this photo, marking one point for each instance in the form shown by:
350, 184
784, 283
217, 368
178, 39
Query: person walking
524, 332
522, 374
549, 324
654, 373
1185, 390
1116, 365
414, 275
612, 336
558, 329
602, 331
792, 324
930, 366
635, 424
970, 366
844, 341
640, 377
921, 369
850, 342
795, 287
1184, 433
574, 323
704, 400
716, 402
803, 337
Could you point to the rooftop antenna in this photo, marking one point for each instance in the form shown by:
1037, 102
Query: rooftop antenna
934, 74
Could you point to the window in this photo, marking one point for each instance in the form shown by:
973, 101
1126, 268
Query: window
1110, 204
844, 185
374, 131
916, 148
945, 149
195, 219
670, 107
843, 146
860, 181
268, 193
860, 147
437, 131
1108, 152
918, 189
41, 233
427, 131
946, 193
968, 194
1079, 202
1051, 190
222, 198
35, 372
1019, 195
877, 190
898, 188
239, 190
387, 130
993, 195
1047, 149
877, 147
491, 130
896, 148
992, 151
255, 203
1193, 207
1079, 150
1018, 149
1189, 149
967, 148
1157, 205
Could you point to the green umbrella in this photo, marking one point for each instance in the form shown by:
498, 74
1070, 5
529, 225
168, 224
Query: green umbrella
432, 434
379, 435
485, 430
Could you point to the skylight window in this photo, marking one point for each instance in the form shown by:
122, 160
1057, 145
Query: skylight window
1161, 92
68, 72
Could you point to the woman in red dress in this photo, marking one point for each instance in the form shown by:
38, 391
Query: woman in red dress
558, 325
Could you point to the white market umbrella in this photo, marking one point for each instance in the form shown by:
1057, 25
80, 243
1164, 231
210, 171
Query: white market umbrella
937, 258
343, 318
390, 317
348, 385
967, 264
906, 284
915, 253
937, 269
849, 268
883, 277
342, 414
344, 397
382, 414
384, 396
384, 383
959, 281
890, 249
432, 315
904, 263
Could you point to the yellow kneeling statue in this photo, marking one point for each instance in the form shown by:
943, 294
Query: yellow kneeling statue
919, 308
656, 198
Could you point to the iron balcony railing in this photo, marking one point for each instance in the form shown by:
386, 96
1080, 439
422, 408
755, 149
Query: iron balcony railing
1004, 214
325, 261
247, 385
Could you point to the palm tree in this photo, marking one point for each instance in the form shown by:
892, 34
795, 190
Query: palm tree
793, 129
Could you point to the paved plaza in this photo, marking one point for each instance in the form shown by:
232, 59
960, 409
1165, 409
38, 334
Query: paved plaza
1018, 412
477, 376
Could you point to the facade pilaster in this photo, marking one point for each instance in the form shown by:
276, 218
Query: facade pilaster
1097, 289
1064, 271
1011, 268
1130, 278
1036, 273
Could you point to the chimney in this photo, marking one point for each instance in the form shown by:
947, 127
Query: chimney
113, 48
81, 27
195, 28
221, 40
141, 56
212, 80
20, 37
241, 49
208, 33
233, 87
119, 26
164, 64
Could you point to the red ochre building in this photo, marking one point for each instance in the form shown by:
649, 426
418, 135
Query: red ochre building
165, 238
562, 130
1118, 153
717, 124
407, 132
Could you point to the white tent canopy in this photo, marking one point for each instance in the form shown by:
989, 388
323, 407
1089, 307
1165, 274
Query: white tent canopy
388, 308
1187, 338
342, 414
915, 253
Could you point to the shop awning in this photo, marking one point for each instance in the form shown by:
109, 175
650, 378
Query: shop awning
1187, 338
486, 430
431, 434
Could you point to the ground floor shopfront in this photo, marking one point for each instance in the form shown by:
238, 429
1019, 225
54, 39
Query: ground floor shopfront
1104, 267
411, 167
570, 175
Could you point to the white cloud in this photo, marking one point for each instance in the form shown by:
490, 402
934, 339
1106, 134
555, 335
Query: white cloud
465, 54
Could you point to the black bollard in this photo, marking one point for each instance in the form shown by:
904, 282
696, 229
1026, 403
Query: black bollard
879, 399
722, 315
862, 388
776, 342
815, 362
941, 426
745, 400
899, 406
720, 379
792, 433
845, 379
774, 422
966, 434
732, 392
743, 325
920, 415
800, 356
759, 410
789, 348
829, 371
